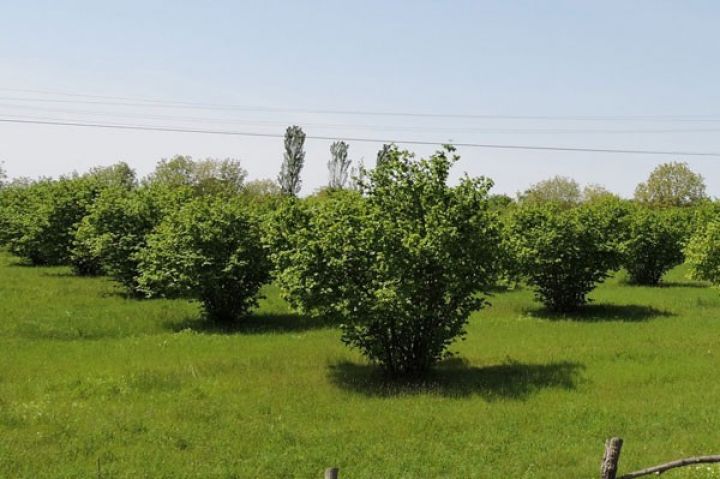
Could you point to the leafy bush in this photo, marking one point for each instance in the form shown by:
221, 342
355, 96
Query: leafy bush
563, 254
703, 253
115, 229
41, 227
318, 252
654, 245
14, 199
210, 250
399, 266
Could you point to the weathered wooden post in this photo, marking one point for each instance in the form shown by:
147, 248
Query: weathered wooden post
609, 466
331, 473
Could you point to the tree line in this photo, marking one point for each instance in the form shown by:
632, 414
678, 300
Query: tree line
394, 254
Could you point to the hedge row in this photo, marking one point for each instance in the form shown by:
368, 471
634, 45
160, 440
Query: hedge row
399, 263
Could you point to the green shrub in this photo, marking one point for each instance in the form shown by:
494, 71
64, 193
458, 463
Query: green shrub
115, 229
400, 266
41, 229
654, 245
563, 254
14, 202
318, 253
703, 253
209, 250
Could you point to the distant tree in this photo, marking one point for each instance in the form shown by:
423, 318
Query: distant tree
499, 201
383, 153
119, 175
562, 191
338, 165
593, 192
263, 187
3, 174
213, 176
209, 176
177, 171
293, 161
357, 175
672, 184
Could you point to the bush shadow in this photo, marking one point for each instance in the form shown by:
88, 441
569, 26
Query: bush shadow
456, 378
259, 323
683, 284
603, 312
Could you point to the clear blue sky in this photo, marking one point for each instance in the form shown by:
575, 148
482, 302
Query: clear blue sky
553, 58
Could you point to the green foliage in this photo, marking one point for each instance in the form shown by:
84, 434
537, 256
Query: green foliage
400, 266
671, 184
205, 177
703, 253
115, 229
499, 201
119, 175
597, 193
559, 190
338, 165
319, 251
563, 254
43, 216
211, 250
293, 161
654, 245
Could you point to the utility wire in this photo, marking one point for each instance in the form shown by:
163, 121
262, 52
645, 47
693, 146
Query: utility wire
361, 140
248, 122
153, 103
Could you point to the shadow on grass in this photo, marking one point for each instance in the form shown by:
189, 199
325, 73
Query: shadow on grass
683, 284
665, 284
603, 312
455, 378
260, 323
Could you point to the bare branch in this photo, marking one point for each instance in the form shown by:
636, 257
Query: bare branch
671, 465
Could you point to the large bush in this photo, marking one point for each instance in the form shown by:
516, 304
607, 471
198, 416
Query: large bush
115, 229
209, 250
41, 227
400, 266
654, 245
563, 254
703, 253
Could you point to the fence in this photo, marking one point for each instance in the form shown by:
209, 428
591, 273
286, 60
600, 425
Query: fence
609, 465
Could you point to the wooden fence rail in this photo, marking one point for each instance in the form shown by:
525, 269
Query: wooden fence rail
609, 465
611, 457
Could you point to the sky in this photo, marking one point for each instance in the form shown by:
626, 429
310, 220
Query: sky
594, 74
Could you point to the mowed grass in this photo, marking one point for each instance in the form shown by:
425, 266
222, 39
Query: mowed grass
93, 384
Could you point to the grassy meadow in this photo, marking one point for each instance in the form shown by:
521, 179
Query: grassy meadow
93, 384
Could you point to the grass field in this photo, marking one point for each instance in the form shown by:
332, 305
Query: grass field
96, 385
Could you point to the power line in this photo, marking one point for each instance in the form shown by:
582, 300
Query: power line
361, 140
249, 122
154, 103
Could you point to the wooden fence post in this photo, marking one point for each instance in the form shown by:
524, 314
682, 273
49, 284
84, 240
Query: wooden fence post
331, 473
609, 466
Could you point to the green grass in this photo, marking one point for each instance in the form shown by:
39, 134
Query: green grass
93, 384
